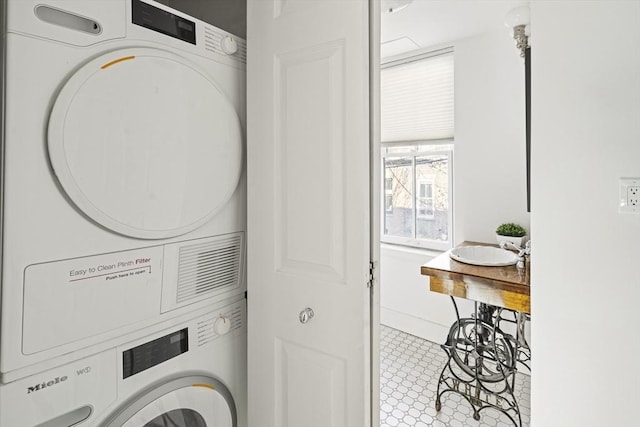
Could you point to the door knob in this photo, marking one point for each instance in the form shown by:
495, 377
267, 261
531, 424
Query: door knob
306, 315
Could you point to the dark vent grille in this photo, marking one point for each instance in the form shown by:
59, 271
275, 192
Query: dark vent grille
206, 333
210, 268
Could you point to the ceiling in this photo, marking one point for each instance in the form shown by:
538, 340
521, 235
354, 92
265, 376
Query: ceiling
429, 23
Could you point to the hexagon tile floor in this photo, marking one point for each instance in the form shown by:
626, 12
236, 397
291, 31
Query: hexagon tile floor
410, 368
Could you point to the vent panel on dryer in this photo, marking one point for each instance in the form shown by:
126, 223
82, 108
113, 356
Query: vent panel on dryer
210, 268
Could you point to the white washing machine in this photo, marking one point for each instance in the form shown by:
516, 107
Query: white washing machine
191, 373
123, 184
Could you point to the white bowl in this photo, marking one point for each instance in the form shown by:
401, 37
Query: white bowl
483, 255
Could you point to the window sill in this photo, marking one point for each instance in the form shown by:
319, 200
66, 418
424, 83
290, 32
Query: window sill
428, 245
410, 249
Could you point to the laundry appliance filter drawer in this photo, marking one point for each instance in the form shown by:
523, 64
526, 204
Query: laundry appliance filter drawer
68, 300
76, 300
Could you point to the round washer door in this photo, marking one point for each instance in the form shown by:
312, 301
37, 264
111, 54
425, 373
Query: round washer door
183, 402
144, 143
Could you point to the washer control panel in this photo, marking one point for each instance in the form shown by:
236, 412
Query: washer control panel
229, 45
152, 353
222, 325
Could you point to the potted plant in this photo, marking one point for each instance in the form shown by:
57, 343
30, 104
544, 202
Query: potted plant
511, 232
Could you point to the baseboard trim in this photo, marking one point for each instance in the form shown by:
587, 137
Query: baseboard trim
413, 325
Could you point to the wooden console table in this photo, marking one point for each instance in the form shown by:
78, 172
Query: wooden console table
482, 357
506, 287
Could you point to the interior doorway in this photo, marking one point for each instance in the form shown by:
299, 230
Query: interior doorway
488, 83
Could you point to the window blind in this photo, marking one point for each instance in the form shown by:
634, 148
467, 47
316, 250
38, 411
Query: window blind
417, 99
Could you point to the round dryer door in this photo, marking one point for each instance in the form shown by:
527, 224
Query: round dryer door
145, 143
184, 402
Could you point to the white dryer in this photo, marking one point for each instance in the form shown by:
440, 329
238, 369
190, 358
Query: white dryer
123, 184
191, 373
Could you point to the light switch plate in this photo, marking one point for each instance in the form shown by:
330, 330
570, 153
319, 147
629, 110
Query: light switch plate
629, 195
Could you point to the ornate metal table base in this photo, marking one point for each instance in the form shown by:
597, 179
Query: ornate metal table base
482, 361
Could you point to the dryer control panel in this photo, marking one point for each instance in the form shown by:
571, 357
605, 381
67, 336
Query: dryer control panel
162, 21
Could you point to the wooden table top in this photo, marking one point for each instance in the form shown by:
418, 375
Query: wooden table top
506, 287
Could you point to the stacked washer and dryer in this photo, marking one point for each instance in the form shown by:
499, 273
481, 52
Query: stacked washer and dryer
123, 217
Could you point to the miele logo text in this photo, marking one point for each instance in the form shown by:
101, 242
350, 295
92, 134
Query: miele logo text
41, 386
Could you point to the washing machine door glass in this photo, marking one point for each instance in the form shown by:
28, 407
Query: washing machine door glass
178, 418
190, 406
145, 143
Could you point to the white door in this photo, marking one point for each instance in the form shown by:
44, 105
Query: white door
152, 178
308, 213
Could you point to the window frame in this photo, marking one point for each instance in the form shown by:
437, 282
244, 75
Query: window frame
419, 148
445, 146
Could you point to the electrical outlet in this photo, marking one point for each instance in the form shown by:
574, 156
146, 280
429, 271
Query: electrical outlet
629, 195
633, 196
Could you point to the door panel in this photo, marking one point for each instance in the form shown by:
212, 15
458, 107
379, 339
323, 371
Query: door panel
308, 213
142, 161
309, 162
296, 368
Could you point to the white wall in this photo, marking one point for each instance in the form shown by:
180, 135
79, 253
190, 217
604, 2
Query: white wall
405, 300
489, 178
585, 275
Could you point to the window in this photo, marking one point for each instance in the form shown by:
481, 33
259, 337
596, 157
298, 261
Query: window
417, 200
424, 199
388, 195
417, 150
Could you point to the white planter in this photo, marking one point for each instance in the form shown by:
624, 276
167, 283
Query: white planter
515, 240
